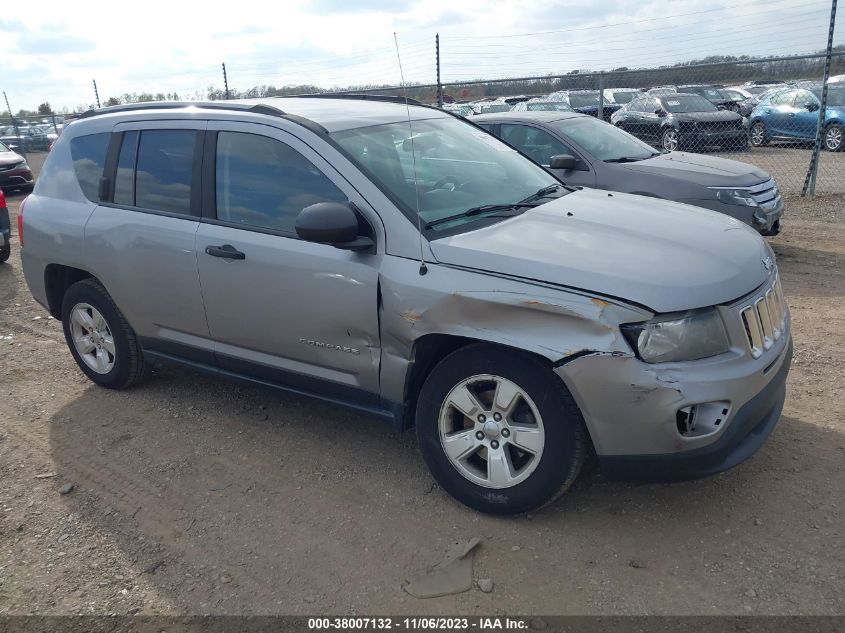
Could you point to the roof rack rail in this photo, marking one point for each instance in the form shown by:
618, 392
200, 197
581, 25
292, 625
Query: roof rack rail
363, 97
173, 105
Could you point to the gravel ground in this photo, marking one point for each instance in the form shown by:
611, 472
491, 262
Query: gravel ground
192, 495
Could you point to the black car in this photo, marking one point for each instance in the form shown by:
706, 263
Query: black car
682, 121
580, 150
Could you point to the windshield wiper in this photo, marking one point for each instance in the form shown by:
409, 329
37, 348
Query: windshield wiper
630, 159
545, 191
511, 209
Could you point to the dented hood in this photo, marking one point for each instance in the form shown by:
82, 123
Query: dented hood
660, 254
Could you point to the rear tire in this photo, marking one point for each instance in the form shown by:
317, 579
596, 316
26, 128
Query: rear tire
834, 138
758, 136
517, 443
5, 251
101, 341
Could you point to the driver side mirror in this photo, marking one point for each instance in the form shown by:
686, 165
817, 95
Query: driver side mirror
563, 161
660, 112
812, 106
334, 223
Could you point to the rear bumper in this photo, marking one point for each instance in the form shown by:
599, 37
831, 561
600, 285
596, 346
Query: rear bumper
748, 431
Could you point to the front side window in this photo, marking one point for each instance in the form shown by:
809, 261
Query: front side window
165, 168
449, 166
89, 157
264, 183
805, 98
535, 143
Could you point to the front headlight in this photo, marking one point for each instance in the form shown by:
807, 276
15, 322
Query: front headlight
740, 197
688, 336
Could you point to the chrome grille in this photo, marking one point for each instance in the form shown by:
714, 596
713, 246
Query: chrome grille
765, 319
765, 194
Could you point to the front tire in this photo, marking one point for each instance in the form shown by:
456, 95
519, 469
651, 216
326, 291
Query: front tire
100, 339
671, 140
834, 138
5, 251
498, 430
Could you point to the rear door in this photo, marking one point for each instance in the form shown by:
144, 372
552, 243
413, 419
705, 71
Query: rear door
778, 112
284, 310
141, 239
803, 121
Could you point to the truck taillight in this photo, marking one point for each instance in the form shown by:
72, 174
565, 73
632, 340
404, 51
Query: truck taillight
20, 222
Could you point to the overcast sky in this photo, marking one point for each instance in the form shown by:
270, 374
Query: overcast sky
53, 53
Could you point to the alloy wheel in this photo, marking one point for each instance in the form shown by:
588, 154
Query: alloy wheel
833, 138
758, 134
92, 338
491, 431
670, 140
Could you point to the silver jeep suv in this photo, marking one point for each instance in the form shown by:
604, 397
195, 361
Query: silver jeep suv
402, 261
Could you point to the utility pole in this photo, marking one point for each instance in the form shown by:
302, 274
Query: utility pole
225, 81
15, 125
437, 59
810, 180
96, 93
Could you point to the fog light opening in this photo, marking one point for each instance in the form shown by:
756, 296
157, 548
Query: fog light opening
685, 419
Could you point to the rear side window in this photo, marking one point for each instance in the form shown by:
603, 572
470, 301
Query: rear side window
164, 170
89, 157
262, 182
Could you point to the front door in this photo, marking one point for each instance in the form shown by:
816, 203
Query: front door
279, 308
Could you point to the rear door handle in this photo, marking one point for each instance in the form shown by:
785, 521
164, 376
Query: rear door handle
227, 251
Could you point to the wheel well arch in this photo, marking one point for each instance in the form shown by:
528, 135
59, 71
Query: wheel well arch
57, 279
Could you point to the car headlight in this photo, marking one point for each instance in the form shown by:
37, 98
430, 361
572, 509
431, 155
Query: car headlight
739, 197
687, 336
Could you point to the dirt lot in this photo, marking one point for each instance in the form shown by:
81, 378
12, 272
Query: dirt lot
199, 496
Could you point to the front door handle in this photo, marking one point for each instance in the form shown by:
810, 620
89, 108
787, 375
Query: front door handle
226, 251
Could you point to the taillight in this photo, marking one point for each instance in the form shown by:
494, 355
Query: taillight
2, 199
20, 222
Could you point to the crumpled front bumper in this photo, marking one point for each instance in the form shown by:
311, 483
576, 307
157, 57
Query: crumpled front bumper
631, 410
764, 219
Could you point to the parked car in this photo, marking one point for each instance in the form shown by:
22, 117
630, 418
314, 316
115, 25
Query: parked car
603, 156
490, 105
584, 101
681, 121
5, 230
792, 114
747, 107
518, 323
541, 104
461, 109
26, 137
714, 94
14, 171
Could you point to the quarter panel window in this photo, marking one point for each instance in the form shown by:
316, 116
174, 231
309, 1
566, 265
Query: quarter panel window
264, 183
89, 157
163, 177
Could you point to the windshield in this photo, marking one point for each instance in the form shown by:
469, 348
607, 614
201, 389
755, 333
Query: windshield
687, 103
3, 148
625, 97
584, 100
458, 167
603, 140
835, 95
494, 107
554, 106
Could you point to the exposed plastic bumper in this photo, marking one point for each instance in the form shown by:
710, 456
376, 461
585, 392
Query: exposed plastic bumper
748, 431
